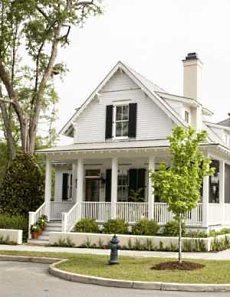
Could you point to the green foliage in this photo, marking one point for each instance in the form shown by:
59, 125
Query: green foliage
42, 221
8, 221
117, 226
3, 159
137, 196
22, 188
31, 33
64, 243
172, 229
194, 245
219, 244
179, 186
6, 240
145, 227
87, 225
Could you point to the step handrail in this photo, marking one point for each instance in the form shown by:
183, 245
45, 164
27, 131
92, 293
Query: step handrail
69, 218
35, 215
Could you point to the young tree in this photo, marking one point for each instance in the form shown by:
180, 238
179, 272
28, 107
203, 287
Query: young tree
179, 186
31, 32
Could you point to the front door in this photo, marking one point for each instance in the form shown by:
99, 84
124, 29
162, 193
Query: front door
92, 189
92, 185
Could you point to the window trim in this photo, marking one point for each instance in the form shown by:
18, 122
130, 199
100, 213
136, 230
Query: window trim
118, 104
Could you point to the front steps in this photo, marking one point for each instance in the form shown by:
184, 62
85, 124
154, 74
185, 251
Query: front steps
43, 239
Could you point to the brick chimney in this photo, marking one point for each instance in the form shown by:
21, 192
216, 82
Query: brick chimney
192, 76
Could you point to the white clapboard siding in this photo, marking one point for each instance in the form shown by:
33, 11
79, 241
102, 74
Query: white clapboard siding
152, 122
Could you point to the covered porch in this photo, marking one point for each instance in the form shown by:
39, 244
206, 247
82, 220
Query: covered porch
114, 184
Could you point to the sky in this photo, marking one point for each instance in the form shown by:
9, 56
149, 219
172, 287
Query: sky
152, 37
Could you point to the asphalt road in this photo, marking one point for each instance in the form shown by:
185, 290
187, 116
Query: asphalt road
18, 279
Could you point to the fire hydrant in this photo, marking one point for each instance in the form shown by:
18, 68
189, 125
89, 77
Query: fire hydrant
114, 247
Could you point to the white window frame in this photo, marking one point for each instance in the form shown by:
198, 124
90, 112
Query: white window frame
187, 114
123, 173
114, 119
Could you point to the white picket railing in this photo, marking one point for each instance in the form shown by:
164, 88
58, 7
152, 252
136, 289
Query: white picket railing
35, 215
194, 217
56, 209
215, 213
99, 211
227, 213
70, 218
132, 211
161, 214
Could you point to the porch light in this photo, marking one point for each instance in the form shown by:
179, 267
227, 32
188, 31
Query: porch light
214, 183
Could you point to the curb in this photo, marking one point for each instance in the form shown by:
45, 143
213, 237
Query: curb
86, 279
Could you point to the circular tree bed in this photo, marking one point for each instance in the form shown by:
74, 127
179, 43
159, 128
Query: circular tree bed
176, 265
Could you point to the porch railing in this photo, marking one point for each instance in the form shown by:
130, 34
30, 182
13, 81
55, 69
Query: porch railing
35, 215
56, 209
132, 211
100, 211
162, 215
70, 218
194, 217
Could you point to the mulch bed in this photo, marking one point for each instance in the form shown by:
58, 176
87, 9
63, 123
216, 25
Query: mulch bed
175, 265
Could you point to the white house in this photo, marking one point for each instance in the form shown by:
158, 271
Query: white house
120, 134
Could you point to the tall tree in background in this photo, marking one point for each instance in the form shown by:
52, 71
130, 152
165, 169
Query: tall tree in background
179, 186
31, 32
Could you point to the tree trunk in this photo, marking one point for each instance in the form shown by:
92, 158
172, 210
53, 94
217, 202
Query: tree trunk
8, 132
180, 240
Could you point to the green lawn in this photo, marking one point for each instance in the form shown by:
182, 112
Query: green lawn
138, 269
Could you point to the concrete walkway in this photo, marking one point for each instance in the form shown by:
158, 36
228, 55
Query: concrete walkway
224, 255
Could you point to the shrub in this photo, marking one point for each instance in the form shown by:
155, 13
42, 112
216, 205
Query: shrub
116, 226
8, 221
86, 225
145, 227
22, 188
172, 229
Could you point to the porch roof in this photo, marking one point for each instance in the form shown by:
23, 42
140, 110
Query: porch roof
156, 145
108, 146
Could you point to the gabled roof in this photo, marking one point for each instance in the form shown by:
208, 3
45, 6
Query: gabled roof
225, 122
149, 88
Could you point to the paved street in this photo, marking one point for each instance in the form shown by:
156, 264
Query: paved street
19, 279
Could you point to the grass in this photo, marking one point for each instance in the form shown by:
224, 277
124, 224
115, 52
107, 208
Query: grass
137, 269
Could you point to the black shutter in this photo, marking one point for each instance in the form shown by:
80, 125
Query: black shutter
227, 184
132, 119
65, 177
109, 121
108, 185
141, 182
132, 182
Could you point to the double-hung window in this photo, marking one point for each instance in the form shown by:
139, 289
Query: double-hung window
121, 120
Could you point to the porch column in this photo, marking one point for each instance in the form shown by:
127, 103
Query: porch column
114, 188
74, 178
205, 202
150, 190
80, 180
48, 183
222, 188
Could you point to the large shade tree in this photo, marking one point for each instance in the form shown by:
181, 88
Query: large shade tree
180, 184
31, 33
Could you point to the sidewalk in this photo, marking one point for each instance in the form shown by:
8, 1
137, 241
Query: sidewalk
223, 255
